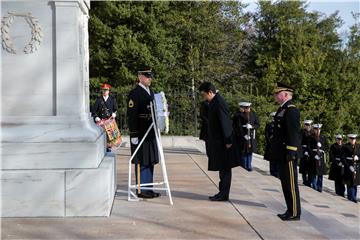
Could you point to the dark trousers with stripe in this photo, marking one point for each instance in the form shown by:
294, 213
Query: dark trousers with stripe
289, 182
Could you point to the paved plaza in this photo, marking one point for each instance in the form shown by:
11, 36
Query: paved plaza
256, 198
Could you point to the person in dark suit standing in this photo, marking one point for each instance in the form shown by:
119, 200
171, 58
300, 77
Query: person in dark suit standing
246, 123
139, 120
269, 135
204, 110
336, 172
105, 106
286, 148
222, 155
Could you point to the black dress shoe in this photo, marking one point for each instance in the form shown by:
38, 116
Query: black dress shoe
283, 215
155, 194
145, 195
287, 217
219, 199
215, 196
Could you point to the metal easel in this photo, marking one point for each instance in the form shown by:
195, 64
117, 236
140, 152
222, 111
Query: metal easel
160, 186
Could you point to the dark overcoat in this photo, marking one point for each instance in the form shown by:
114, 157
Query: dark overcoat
220, 133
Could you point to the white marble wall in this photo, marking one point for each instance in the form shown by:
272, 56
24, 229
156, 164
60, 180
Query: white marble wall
52, 153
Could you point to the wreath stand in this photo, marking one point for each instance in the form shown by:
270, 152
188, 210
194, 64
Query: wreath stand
160, 186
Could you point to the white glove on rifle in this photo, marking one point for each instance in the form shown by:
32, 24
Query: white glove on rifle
352, 169
317, 157
306, 153
340, 164
247, 137
319, 144
113, 115
135, 141
356, 158
249, 126
97, 119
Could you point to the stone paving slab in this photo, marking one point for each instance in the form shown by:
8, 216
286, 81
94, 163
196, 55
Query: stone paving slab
256, 198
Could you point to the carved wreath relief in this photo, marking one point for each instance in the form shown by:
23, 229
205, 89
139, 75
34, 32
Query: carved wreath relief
36, 32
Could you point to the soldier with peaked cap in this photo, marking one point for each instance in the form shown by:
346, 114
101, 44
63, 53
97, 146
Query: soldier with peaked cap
286, 148
105, 106
350, 158
318, 147
246, 123
336, 172
139, 119
304, 160
269, 135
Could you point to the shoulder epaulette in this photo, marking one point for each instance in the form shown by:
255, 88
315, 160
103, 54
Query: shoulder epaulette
292, 105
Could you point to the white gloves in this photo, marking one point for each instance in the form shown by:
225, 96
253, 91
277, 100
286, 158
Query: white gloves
113, 115
247, 137
249, 126
356, 158
97, 119
340, 164
319, 144
317, 157
352, 169
135, 141
306, 153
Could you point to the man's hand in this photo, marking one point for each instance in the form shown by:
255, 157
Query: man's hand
97, 119
352, 169
317, 157
135, 141
113, 115
228, 146
319, 144
306, 153
356, 158
247, 137
249, 126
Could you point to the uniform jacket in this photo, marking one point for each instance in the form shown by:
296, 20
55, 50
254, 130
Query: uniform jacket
103, 109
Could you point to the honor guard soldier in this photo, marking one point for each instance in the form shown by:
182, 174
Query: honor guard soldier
105, 106
336, 172
246, 123
304, 160
318, 147
286, 147
350, 158
139, 120
269, 135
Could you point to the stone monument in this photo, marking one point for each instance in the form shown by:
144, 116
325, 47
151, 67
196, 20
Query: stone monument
53, 160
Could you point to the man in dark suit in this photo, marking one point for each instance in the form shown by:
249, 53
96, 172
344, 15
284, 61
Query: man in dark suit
222, 153
204, 110
139, 119
286, 148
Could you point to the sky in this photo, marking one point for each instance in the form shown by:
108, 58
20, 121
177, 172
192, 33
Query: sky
328, 7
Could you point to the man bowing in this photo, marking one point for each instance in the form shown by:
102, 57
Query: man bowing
222, 153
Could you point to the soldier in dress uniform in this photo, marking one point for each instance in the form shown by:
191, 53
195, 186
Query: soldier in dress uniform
269, 135
350, 158
336, 172
139, 120
318, 147
304, 160
246, 123
286, 147
105, 106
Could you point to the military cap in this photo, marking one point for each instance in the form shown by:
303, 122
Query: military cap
282, 87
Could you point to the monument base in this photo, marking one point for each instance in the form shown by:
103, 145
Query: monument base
55, 168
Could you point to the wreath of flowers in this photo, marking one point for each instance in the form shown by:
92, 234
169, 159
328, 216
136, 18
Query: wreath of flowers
36, 32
